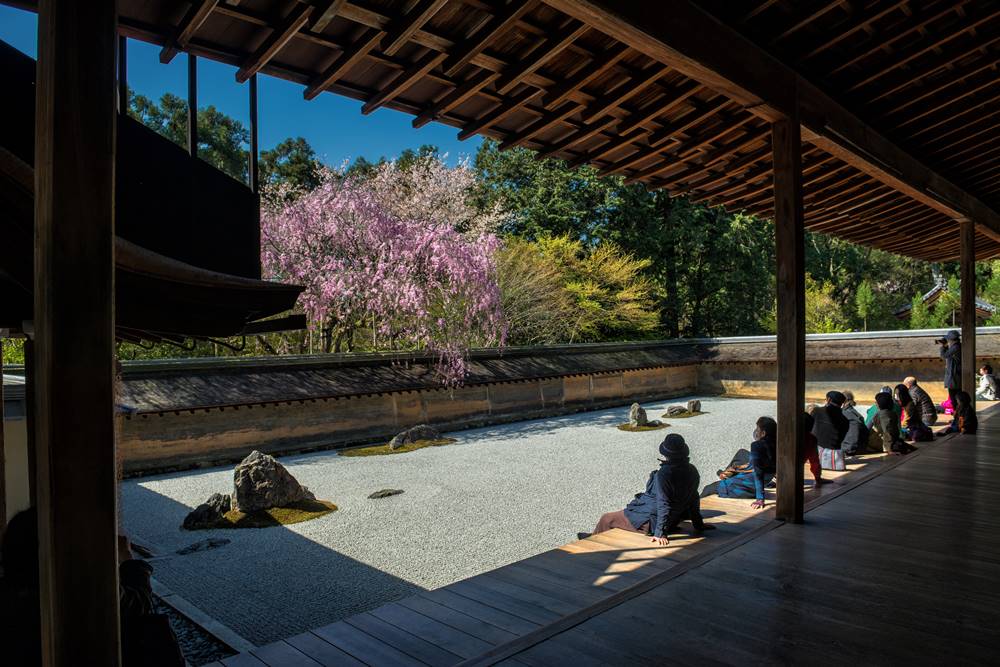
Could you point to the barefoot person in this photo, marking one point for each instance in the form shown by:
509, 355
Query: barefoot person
671, 496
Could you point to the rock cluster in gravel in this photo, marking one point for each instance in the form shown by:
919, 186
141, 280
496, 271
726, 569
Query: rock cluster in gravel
637, 417
414, 434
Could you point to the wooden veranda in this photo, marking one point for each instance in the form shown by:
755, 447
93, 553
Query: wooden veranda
874, 121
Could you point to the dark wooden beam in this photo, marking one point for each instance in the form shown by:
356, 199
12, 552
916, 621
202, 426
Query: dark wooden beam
502, 111
540, 125
397, 36
196, 15
546, 51
465, 51
685, 37
344, 62
3, 453
789, 226
588, 73
74, 364
402, 81
459, 94
123, 74
279, 37
968, 305
322, 18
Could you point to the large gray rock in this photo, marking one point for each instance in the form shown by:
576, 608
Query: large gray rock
412, 435
385, 493
674, 410
637, 416
260, 482
694, 406
209, 513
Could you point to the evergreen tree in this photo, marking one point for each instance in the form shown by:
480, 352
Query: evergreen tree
864, 300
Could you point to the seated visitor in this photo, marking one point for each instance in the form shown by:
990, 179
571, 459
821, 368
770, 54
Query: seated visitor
965, 420
671, 496
987, 384
886, 425
873, 410
947, 408
750, 480
928, 413
913, 424
830, 427
147, 638
856, 440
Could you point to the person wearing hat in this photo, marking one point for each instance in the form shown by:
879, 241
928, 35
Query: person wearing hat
830, 426
671, 496
873, 410
951, 352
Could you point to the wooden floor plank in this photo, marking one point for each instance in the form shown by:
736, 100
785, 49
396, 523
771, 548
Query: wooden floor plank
323, 652
488, 614
405, 642
430, 630
242, 660
284, 654
363, 646
470, 625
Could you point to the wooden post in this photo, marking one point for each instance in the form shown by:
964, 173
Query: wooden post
789, 235
123, 75
74, 331
29, 419
254, 157
192, 128
968, 271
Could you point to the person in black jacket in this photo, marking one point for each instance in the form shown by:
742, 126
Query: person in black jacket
830, 426
856, 440
671, 496
951, 352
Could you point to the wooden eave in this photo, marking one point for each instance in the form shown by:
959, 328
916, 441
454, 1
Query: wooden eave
898, 100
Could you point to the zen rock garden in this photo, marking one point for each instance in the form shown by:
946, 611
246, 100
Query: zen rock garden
416, 437
692, 409
639, 421
264, 494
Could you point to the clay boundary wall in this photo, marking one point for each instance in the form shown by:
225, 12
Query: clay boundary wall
195, 413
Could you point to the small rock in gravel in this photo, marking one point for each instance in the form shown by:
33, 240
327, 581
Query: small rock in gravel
694, 406
209, 513
260, 483
204, 545
674, 410
411, 435
385, 493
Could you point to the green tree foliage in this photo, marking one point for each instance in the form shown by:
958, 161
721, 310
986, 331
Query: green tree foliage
864, 301
221, 138
538, 308
12, 350
945, 312
292, 162
920, 315
611, 298
823, 313
544, 196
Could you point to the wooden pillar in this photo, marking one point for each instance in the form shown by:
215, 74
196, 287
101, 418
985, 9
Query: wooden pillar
123, 75
968, 271
29, 418
74, 331
254, 148
192, 135
789, 235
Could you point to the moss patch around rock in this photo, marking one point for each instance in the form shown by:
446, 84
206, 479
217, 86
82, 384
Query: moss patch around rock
684, 415
379, 450
303, 510
637, 429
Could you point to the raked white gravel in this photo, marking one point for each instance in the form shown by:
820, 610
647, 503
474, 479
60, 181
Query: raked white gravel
500, 494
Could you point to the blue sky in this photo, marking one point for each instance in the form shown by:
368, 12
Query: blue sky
331, 123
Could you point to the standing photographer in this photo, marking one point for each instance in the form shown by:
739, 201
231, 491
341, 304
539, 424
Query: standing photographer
951, 352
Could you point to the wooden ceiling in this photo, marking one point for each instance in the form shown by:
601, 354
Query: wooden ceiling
919, 78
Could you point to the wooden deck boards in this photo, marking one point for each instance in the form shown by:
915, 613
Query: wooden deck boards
479, 619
